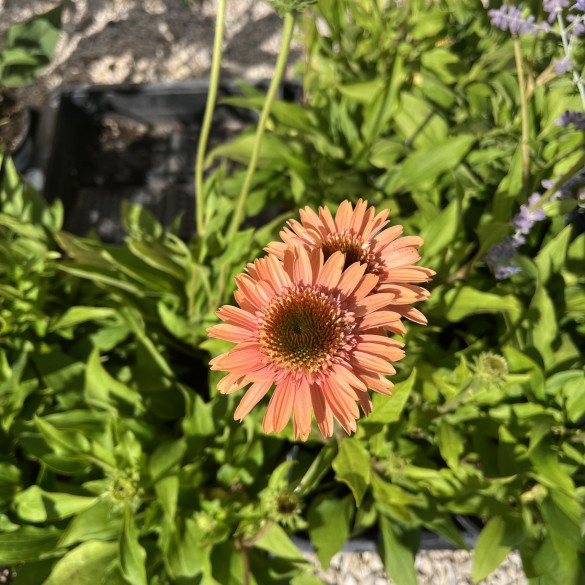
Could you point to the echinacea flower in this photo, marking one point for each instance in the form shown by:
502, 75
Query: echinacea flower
359, 233
307, 325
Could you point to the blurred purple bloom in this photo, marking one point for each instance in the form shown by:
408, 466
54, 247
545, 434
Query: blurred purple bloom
554, 7
578, 24
506, 271
526, 218
577, 119
510, 18
563, 66
501, 252
499, 256
579, 5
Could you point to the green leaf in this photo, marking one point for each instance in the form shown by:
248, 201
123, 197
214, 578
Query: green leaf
100, 522
574, 390
37, 505
132, 555
398, 551
329, 523
27, 544
352, 466
84, 565
552, 256
544, 330
187, 557
424, 166
277, 542
77, 315
496, 540
37, 38
451, 443
443, 230
389, 410
62, 442
104, 391
562, 516
465, 301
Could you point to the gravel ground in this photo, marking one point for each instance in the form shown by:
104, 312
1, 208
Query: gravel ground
135, 41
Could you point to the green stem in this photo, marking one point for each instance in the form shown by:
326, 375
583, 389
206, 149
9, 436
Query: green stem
523, 109
208, 116
289, 22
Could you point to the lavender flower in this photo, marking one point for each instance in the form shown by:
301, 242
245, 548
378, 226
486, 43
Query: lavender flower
499, 256
579, 5
526, 218
577, 119
554, 7
563, 66
510, 18
577, 23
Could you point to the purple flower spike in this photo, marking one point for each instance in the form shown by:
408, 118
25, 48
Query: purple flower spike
525, 219
563, 66
554, 7
577, 119
510, 18
504, 272
579, 5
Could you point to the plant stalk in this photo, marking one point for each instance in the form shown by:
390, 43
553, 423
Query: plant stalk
208, 116
289, 23
523, 109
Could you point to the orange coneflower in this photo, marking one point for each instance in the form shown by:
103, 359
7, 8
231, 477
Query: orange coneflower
359, 233
305, 325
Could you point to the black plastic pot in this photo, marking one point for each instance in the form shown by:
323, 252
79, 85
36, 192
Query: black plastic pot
136, 143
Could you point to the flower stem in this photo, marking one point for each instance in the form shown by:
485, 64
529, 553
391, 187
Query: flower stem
567, 49
523, 108
208, 116
289, 22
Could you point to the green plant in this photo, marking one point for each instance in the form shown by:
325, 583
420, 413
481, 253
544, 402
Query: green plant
129, 467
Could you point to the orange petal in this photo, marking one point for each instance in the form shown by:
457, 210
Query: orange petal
331, 272
302, 410
372, 303
343, 216
238, 317
409, 274
351, 277
379, 319
255, 393
365, 287
373, 363
323, 414
279, 408
302, 273
229, 333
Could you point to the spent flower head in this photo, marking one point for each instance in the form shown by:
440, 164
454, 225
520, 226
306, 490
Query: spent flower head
491, 367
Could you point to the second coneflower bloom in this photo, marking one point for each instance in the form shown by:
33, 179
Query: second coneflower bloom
307, 326
359, 233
